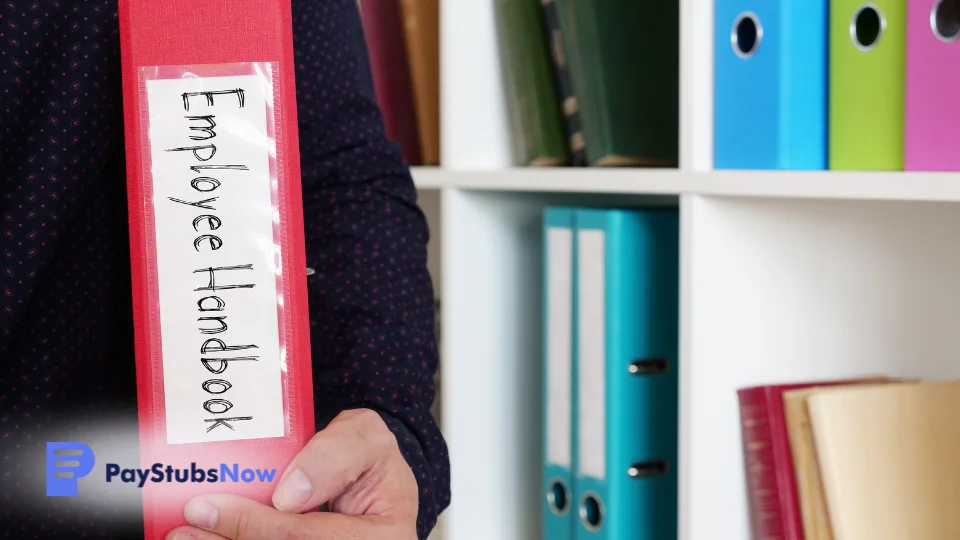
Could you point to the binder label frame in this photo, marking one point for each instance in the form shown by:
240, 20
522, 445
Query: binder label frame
591, 349
559, 346
213, 250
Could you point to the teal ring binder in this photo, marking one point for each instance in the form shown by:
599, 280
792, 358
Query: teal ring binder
558, 497
647, 469
746, 35
592, 511
866, 24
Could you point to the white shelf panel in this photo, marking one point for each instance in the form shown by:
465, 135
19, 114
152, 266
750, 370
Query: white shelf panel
788, 290
867, 185
492, 369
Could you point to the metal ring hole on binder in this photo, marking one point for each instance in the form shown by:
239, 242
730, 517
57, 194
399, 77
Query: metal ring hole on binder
647, 469
746, 35
558, 497
867, 26
649, 366
945, 20
591, 511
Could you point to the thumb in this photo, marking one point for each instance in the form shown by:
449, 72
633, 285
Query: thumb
354, 443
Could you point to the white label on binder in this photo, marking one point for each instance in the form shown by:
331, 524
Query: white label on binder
559, 347
216, 258
592, 361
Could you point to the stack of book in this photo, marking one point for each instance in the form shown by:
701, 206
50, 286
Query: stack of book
591, 82
402, 38
869, 458
587, 82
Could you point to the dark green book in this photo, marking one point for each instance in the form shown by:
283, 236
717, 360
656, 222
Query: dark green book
624, 60
536, 117
571, 111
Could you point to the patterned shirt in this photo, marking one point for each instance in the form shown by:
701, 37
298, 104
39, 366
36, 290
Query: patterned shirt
67, 368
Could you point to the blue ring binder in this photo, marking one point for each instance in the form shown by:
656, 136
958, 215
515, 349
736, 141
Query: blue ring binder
770, 84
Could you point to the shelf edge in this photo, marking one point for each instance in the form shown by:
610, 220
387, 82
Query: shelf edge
837, 185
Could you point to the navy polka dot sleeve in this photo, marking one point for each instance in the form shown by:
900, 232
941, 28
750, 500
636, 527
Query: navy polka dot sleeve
371, 298
66, 351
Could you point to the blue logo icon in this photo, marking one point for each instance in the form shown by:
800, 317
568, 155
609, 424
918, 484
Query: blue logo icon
67, 462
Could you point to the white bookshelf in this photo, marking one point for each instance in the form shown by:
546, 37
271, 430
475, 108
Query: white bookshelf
784, 276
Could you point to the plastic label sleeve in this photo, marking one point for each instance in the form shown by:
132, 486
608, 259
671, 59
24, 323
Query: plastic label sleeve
217, 258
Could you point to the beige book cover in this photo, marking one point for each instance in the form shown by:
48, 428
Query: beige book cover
813, 506
889, 458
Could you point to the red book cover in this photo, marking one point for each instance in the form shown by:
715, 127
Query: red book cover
383, 27
771, 483
217, 249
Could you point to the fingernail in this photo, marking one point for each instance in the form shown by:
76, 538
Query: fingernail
293, 491
200, 513
184, 536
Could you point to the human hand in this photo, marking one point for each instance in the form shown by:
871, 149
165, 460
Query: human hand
354, 466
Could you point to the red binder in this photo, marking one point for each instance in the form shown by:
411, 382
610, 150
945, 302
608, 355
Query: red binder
217, 249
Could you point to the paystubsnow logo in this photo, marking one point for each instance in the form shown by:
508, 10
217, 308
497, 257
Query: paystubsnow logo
160, 473
68, 462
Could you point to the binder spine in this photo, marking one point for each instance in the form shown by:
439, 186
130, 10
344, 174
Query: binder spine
803, 144
644, 339
559, 356
867, 72
635, 495
591, 470
747, 92
771, 86
932, 111
217, 247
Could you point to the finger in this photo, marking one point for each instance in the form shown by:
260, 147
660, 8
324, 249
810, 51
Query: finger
353, 443
239, 518
192, 533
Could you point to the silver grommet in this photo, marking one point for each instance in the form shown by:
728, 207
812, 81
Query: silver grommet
945, 20
558, 497
746, 45
592, 517
866, 10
